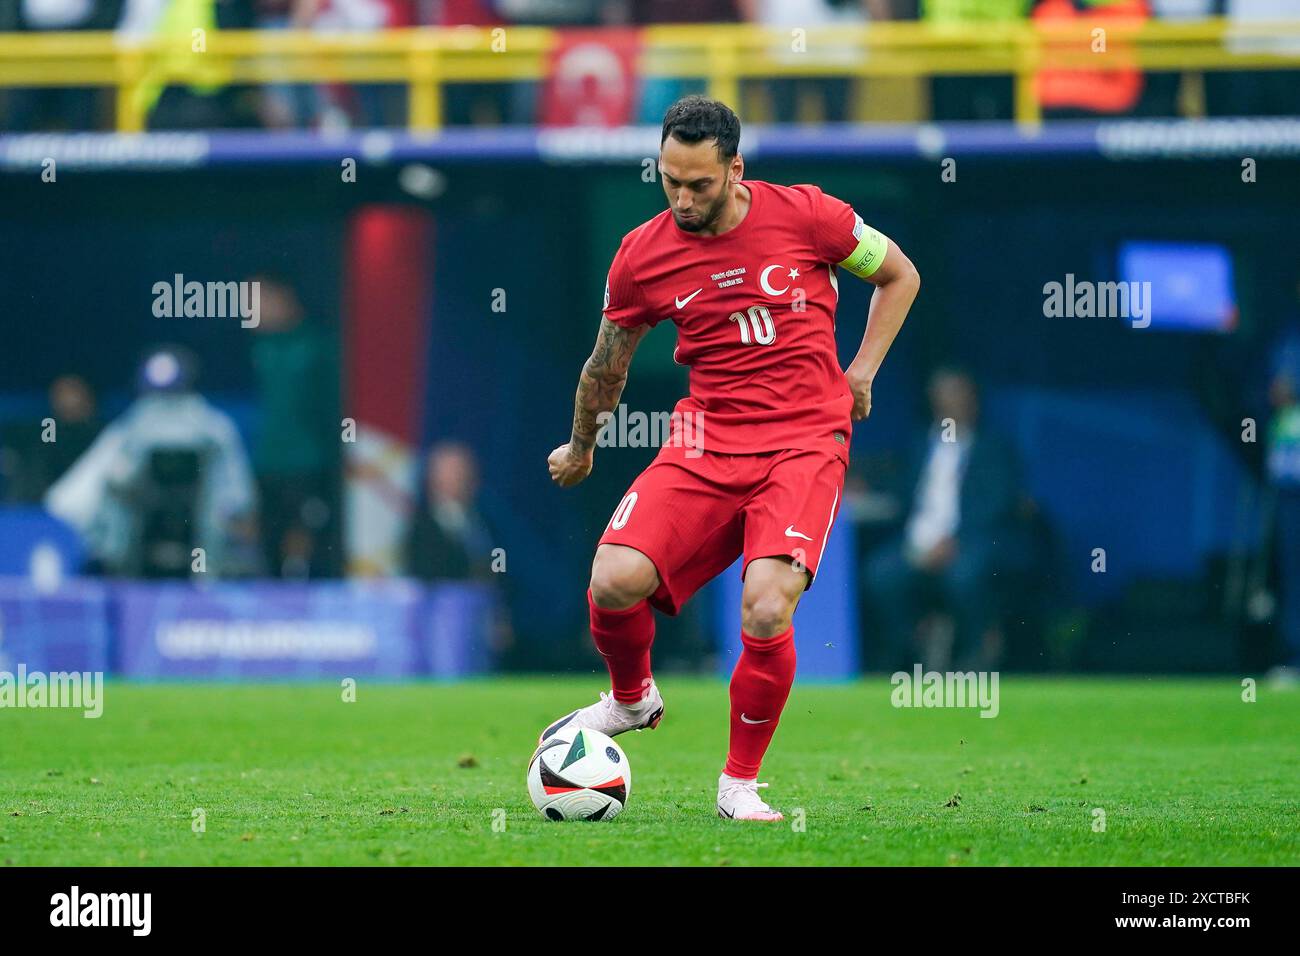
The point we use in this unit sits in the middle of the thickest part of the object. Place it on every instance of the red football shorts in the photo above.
(693, 513)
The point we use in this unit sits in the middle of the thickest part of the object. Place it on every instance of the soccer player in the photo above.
(755, 461)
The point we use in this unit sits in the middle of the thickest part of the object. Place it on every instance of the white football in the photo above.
(579, 775)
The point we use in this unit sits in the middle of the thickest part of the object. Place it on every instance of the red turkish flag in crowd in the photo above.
(592, 79)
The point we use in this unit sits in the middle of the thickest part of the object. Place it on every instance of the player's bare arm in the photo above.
(599, 386)
(897, 282)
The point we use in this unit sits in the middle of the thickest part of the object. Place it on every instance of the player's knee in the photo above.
(620, 577)
(766, 612)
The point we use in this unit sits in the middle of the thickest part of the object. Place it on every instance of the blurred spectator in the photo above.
(31, 463)
(830, 94)
(296, 455)
(57, 107)
(512, 102)
(208, 100)
(1164, 92)
(1284, 475)
(467, 104)
(1071, 94)
(960, 497)
(370, 104)
(73, 403)
(551, 13)
(288, 104)
(1256, 92)
(972, 97)
(76, 419)
(660, 92)
(449, 538)
(894, 9)
(167, 476)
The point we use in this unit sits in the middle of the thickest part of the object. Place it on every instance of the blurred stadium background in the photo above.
(428, 195)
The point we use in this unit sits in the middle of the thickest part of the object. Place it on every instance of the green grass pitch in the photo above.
(1184, 770)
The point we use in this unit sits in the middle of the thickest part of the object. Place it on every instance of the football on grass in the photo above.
(579, 775)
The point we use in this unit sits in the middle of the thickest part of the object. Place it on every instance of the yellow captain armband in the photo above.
(870, 252)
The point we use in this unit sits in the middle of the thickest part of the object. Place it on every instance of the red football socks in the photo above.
(760, 685)
(623, 639)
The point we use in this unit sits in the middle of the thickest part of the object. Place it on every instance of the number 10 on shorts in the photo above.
(622, 512)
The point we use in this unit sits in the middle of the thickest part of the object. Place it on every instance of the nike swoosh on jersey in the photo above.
(748, 721)
(791, 533)
(681, 302)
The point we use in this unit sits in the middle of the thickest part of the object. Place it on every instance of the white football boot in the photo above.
(738, 800)
(612, 718)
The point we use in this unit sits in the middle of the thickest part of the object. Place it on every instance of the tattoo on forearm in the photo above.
(602, 380)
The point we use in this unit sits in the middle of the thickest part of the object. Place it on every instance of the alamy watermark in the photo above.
(946, 689)
(208, 300)
(623, 429)
(77, 690)
(1084, 299)
(130, 910)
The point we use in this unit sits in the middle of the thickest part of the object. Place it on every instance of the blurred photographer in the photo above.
(166, 477)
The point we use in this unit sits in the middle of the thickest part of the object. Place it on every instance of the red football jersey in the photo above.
(755, 316)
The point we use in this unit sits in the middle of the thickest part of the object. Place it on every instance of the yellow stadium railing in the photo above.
(425, 59)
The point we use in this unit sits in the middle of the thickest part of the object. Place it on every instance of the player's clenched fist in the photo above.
(568, 465)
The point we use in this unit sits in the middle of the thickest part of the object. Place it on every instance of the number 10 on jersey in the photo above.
(755, 325)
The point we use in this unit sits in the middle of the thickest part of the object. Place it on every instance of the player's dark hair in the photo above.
(695, 118)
